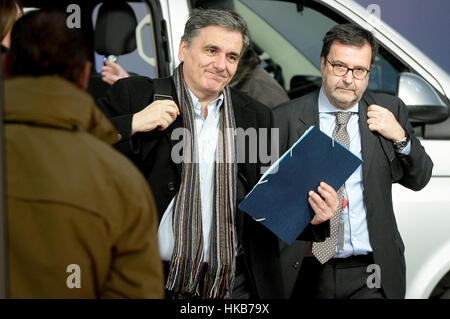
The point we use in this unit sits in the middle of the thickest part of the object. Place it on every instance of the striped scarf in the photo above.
(187, 258)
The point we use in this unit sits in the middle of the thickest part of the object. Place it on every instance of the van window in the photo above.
(132, 62)
(289, 36)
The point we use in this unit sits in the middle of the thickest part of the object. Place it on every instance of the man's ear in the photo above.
(83, 81)
(181, 50)
(322, 64)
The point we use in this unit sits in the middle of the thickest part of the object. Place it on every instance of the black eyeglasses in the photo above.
(341, 70)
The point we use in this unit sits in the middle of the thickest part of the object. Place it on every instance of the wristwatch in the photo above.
(401, 143)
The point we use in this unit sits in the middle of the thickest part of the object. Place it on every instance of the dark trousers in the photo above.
(339, 278)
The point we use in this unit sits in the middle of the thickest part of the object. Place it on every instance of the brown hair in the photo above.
(8, 14)
(349, 34)
(42, 44)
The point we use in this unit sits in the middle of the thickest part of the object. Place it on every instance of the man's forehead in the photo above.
(218, 36)
(351, 53)
(216, 30)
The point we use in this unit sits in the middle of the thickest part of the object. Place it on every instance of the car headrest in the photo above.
(115, 29)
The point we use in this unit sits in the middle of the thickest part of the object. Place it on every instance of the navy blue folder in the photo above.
(280, 199)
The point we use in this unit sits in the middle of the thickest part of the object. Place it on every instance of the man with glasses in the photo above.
(374, 126)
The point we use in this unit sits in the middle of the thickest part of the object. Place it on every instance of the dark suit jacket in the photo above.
(382, 166)
(151, 153)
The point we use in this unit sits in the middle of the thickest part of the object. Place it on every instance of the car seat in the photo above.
(114, 36)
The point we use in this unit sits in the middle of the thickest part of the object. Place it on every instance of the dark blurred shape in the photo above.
(303, 84)
(114, 36)
(255, 81)
(44, 49)
(115, 29)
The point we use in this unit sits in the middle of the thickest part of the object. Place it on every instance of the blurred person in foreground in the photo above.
(81, 218)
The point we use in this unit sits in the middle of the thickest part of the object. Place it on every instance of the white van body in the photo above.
(423, 217)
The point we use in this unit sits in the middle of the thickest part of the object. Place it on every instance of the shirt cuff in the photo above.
(406, 150)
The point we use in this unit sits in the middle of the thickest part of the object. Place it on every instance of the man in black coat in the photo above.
(378, 130)
(210, 249)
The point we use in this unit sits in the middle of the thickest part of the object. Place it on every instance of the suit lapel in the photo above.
(178, 123)
(309, 115)
(368, 139)
(244, 118)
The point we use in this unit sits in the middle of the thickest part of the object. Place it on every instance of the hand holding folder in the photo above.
(280, 199)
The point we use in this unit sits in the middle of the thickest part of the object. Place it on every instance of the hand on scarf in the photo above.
(159, 114)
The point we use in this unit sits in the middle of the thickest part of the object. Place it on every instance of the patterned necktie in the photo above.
(325, 250)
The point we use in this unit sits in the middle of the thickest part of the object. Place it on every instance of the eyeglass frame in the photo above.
(348, 69)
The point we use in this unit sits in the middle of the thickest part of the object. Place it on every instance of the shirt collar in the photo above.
(215, 104)
(326, 107)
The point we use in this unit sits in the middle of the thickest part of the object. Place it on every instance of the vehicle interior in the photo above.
(110, 27)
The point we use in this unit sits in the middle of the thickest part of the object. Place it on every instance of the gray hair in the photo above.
(227, 19)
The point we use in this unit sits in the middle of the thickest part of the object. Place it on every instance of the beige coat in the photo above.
(74, 200)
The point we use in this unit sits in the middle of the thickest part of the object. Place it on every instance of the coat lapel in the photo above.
(309, 115)
(244, 118)
(178, 123)
(368, 139)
